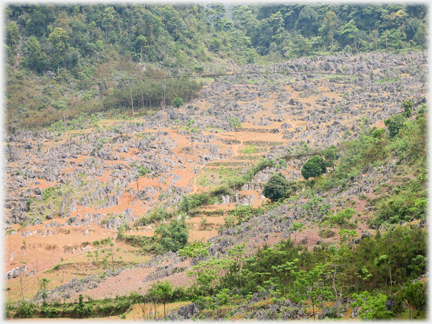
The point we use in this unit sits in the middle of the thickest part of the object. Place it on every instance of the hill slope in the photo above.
(81, 185)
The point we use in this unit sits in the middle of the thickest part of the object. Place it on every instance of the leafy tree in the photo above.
(309, 285)
(349, 33)
(347, 234)
(308, 21)
(172, 237)
(44, 282)
(295, 227)
(59, 38)
(407, 106)
(36, 60)
(208, 274)
(328, 27)
(12, 35)
(277, 187)
(141, 42)
(421, 35)
(341, 218)
(163, 292)
(108, 20)
(37, 23)
(178, 102)
(395, 124)
(314, 167)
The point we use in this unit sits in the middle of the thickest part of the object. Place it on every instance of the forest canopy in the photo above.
(64, 60)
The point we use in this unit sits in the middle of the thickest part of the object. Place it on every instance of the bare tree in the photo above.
(131, 99)
(35, 265)
(145, 309)
(22, 274)
(163, 84)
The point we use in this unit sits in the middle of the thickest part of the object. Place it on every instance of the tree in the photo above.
(141, 41)
(295, 227)
(178, 102)
(142, 171)
(131, 99)
(236, 252)
(328, 26)
(310, 285)
(415, 296)
(308, 21)
(277, 187)
(395, 124)
(172, 237)
(314, 167)
(12, 35)
(36, 60)
(235, 123)
(407, 106)
(44, 282)
(59, 38)
(330, 156)
(162, 291)
(420, 36)
(22, 274)
(349, 32)
(108, 20)
(36, 267)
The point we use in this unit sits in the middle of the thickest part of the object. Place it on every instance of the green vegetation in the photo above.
(157, 214)
(91, 58)
(67, 65)
(373, 148)
(178, 102)
(172, 237)
(314, 167)
(250, 149)
(279, 188)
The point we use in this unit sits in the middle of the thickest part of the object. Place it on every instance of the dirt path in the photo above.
(195, 188)
(235, 149)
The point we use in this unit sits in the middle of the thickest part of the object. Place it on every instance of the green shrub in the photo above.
(172, 237)
(373, 307)
(81, 310)
(415, 295)
(178, 102)
(342, 217)
(250, 149)
(278, 188)
(395, 124)
(158, 214)
(223, 297)
(50, 311)
(25, 309)
(106, 240)
(313, 167)
(326, 233)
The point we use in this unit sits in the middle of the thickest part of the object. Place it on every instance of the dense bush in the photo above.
(278, 188)
(313, 167)
(172, 237)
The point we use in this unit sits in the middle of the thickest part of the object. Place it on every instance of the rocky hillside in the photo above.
(85, 199)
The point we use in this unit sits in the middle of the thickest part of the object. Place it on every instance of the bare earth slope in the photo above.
(66, 189)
